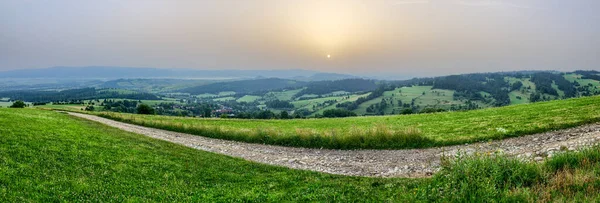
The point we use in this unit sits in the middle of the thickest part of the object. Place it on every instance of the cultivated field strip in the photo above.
(373, 163)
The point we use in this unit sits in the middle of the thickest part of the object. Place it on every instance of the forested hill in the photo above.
(346, 96)
(245, 86)
(535, 86)
(76, 95)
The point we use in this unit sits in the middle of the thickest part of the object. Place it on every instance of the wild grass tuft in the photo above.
(479, 178)
(568, 176)
(585, 158)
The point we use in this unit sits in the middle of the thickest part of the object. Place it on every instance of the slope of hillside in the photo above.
(47, 157)
(388, 132)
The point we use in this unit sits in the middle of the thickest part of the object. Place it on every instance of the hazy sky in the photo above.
(418, 37)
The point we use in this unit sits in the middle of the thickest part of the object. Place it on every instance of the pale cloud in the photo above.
(492, 3)
(405, 36)
(408, 2)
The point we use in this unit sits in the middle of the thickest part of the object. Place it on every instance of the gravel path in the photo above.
(374, 163)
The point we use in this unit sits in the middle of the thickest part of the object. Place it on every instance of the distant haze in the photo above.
(371, 37)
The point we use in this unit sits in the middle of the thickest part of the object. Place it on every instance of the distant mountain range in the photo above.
(110, 72)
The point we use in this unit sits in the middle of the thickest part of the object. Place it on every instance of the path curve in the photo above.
(373, 163)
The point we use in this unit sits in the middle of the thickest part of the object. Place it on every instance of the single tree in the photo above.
(284, 115)
(144, 109)
(89, 108)
(18, 104)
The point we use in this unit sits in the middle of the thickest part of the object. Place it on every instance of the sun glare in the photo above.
(329, 25)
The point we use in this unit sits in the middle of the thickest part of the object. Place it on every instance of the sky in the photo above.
(407, 37)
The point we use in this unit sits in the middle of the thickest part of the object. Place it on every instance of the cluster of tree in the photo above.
(18, 104)
(544, 81)
(586, 90)
(470, 86)
(278, 104)
(348, 85)
(516, 86)
(469, 105)
(537, 96)
(64, 102)
(333, 113)
(266, 114)
(432, 110)
(589, 74)
(124, 106)
(74, 94)
(144, 109)
(188, 109)
(380, 107)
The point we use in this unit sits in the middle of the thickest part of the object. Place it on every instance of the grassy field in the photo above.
(435, 98)
(352, 98)
(5, 104)
(577, 77)
(388, 132)
(286, 95)
(309, 103)
(523, 94)
(206, 95)
(362, 108)
(248, 98)
(518, 97)
(47, 156)
(8, 104)
(224, 99)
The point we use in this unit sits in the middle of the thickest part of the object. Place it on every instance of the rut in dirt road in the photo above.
(373, 163)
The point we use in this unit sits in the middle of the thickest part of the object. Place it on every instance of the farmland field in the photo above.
(388, 132)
